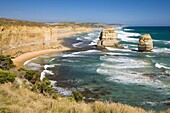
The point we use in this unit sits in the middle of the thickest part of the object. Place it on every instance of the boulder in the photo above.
(108, 39)
(145, 43)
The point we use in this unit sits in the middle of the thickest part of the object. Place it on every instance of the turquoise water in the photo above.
(119, 75)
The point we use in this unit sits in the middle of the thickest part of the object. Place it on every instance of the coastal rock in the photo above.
(108, 39)
(18, 39)
(145, 43)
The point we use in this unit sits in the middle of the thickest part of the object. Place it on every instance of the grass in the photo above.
(5, 21)
(6, 76)
(22, 100)
(14, 22)
(86, 24)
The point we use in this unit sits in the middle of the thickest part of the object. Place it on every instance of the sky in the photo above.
(129, 12)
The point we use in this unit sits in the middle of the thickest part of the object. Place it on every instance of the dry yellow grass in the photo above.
(23, 100)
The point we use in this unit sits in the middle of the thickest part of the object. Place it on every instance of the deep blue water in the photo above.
(119, 75)
(158, 33)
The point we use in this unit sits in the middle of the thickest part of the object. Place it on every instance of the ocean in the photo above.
(120, 75)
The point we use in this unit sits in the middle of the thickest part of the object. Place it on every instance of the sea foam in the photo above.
(129, 29)
(28, 61)
(122, 62)
(87, 38)
(161, 66)
(121, 70)
(127, 77)
(44, 72)
(50, 66)
(117, 49)
(126, 36)
(161, 50)
(85, 52)
(77, 44)
(63, 91)
(79, 39)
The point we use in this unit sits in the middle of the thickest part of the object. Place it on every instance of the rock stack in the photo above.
(145, 43)
(108, 39)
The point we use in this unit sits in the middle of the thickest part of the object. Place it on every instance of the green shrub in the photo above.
(31, 75)
(77, 96)
(43, 87)
(71, 99)
(56, 96)
(34, 88)
(6, 76)
(46, 81)
(6, 63)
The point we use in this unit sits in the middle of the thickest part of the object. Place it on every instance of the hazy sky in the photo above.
(131, 12)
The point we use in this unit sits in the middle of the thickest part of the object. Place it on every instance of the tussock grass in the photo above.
(22, 100)
(6, 21)
(14, 22)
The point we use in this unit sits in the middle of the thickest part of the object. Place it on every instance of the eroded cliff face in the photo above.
(108, 39)
(145, 43)
(16, 40)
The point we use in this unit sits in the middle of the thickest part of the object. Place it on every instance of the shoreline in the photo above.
(20, 60)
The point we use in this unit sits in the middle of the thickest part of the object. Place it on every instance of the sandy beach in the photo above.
(19, 61)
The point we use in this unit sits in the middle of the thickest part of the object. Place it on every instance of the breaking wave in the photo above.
(86, 52)
(117, 49)
(161, 66)
(128, 29)
(161, 50)
(44, 73)
(77, 44)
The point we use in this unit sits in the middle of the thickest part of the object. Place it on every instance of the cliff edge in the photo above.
(18, 37)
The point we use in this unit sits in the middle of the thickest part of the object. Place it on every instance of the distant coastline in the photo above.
(40, 38)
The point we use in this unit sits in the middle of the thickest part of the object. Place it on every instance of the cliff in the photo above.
(18, 37)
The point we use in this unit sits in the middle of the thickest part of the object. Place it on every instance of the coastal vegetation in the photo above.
(12, 22)
(86, 24)
(6, 76)
(6, 62)
(22, 100)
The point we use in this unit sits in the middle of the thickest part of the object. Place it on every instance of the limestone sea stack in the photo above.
(145, 43)
(108, 39)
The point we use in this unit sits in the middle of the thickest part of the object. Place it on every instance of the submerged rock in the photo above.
(145, 43)
(108, 39)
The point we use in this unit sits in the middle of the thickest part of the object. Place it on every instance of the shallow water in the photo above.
(119, 75)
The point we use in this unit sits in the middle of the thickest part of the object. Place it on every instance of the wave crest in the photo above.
(161, 66)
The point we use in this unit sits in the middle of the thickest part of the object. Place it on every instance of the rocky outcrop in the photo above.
(108, 39)
(145, 43)
(18, 39)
